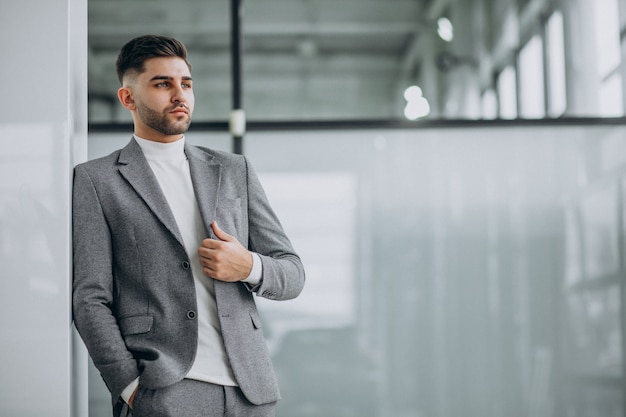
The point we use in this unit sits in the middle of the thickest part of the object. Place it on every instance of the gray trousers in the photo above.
(189, 398)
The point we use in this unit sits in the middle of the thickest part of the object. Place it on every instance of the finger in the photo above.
(208, 272)
(210, 244)
(205, 261)
(219, 233)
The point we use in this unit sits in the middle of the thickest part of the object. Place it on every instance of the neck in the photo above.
(157, 137)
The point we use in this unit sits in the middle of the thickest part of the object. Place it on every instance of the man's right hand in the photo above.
(132, 397)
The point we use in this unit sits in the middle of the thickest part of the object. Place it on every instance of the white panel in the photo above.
(41, 127)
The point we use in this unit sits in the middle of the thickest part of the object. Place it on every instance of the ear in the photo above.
(126, 97)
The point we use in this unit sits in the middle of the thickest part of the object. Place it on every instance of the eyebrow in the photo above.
(168, 78)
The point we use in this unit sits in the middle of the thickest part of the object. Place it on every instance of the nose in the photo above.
(178, 95)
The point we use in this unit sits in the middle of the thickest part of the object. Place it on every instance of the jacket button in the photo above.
(268, 294)
(191, 315)
(186, 264)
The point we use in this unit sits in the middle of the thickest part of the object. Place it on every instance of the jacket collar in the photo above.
(205, 177)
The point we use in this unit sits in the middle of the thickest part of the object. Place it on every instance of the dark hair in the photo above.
(133, 55)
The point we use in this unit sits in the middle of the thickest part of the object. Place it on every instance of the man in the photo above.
(171, 241)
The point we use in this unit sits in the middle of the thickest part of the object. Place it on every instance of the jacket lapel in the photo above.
(135, 168)
(205, 177)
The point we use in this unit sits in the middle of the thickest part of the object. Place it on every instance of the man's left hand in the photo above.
(224, 259)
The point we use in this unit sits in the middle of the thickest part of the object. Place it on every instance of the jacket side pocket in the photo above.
(136, 324)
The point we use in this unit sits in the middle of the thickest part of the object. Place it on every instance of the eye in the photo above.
(162, 84)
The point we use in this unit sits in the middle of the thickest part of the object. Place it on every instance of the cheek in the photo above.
(152, 102)
(191, 101)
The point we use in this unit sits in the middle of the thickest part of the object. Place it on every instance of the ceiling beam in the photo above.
(286, 29)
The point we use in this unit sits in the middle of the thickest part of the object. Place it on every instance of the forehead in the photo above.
(165, 66)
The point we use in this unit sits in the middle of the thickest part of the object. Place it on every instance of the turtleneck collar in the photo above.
(157, 151)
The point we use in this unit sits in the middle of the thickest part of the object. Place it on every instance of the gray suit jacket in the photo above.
(134, 300)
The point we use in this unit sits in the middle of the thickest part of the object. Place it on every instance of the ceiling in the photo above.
(302, 59)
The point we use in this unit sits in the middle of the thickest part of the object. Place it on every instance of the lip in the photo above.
(180, 110)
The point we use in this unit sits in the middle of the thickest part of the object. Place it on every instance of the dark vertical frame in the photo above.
(236, 14)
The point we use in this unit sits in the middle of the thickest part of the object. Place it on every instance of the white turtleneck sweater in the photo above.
(171, 168)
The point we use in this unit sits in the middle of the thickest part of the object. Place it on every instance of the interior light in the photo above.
(416, 104)
(412, 93)
(445, 29)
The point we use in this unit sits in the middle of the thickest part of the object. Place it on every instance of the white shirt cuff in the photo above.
(256, 272)
(128, 391)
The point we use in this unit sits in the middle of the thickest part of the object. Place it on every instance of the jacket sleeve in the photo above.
(283, 273)
(93, 287)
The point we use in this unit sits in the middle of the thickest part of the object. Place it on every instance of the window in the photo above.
(489, 103)
(532, 99)
(557, 98)
(507, 93)
(607, 37)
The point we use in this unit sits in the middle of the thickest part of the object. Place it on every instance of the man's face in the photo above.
(161, 99)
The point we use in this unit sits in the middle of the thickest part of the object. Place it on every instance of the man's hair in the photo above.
(134, 54)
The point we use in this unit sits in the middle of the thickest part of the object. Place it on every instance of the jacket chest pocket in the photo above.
(229, 217)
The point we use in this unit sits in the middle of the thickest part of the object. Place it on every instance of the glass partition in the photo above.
(474, 271)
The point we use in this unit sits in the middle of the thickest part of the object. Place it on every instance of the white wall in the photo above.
(43, 112)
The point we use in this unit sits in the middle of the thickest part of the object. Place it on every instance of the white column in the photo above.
(43, 133)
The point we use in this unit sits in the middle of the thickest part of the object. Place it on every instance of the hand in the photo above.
(224, 259)
(131, 400)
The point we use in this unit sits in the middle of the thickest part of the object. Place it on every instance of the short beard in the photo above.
(159, 122)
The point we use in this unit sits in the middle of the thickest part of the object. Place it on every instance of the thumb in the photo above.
(219, 233)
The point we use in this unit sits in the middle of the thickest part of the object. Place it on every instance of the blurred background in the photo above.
(452, 173)
(354, 59)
